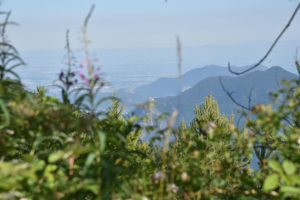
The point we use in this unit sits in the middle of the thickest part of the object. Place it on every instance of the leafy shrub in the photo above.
(57, 150)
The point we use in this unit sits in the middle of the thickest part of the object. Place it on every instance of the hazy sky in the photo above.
(149, 23)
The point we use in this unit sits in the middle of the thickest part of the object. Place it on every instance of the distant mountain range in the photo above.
(164, 87)
(262, 82)
(169, 86)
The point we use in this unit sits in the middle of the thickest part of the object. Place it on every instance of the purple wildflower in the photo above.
(69, 83)
(97, 76)
(85, 81)
(61, 75)
(81, 74)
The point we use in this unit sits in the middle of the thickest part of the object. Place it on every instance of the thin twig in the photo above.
(250, 98)
(297, 62)
(271, 48)
(229, 94)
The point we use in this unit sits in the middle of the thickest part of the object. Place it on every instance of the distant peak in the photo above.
(276, 68)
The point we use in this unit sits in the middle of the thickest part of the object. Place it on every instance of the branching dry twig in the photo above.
(271, 48)
(229, 94)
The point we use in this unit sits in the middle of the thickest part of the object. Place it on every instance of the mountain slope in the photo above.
(164, 87)
(169, 86)
(262, 83)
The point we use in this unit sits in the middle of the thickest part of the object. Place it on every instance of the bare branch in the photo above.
(271, 48)
(229, 94)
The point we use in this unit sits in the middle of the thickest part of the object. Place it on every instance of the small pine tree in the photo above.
(209, 114)
(115, 111)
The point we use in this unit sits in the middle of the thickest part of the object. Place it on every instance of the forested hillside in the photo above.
(257, 84)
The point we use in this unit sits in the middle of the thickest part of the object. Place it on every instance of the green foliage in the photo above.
(57, 150)
(214, 154)
(209, 112)
(277, 131)
(9, 56)
(53, 150)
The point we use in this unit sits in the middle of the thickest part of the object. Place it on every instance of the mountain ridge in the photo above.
(169, 86)
(262, 83)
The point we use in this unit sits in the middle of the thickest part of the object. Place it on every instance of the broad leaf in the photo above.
(271, 182)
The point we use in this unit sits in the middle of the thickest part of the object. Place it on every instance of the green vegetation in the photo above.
(53, 150)
(58, 150)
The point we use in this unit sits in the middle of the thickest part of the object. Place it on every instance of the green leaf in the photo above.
(286, 179)
(295, 179)
(275, 165)
(88, 162)
(50, 168)
(92, 187)
(39, 164)
(48, 172)
(290, 190)
(289, 167)
(55, 156)
(6, 114)
(102, 140)
(271, 182)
